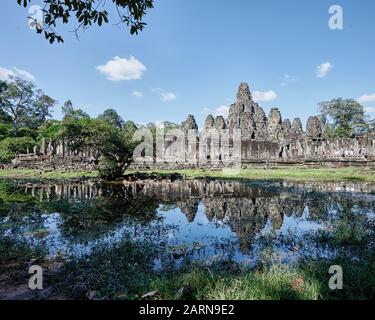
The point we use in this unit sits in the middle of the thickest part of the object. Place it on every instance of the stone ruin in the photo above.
(273, 140)
(265, 140)
(50, 156)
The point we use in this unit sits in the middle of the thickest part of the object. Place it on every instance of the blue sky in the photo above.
(193, 54)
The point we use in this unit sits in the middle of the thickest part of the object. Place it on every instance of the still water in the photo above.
(207, 221)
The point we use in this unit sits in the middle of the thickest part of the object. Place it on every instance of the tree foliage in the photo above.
(43, 107)
(86, 13)
(115, 145)
(12, 145)
(17, 101)
(343, 118)
(112, 117)
(24, 106)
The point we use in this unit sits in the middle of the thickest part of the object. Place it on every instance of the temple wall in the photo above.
(263, 140)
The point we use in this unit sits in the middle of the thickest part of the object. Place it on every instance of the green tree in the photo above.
(17, 101)
(130, 126)
(70, 112)
(112, 117)
(114, 145)
(51, 130)
(4, 117)
(86, 13)
(12, 145)
(343, 118)
(43, 107)
(372, 125)
(77, 132)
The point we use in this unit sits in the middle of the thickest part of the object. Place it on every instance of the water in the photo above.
(208, 221)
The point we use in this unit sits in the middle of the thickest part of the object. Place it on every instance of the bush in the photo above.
(10, 146)
(6, 156)
(110, 170)
(17, 144)
(26, 132)
(51, 130)
(5, 131)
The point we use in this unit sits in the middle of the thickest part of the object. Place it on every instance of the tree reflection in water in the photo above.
(226, 218)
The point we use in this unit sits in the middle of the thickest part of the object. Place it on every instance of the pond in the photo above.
(204, 220)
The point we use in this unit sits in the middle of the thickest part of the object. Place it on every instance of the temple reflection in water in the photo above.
(246, 208)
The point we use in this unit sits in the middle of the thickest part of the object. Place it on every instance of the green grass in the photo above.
(126, 272)
(281, 173)
(273, 283)
(288, 174)
(16, 253)
(53, 175)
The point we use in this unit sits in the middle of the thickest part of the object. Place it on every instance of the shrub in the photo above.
(6, 156)
(10, 146)
(5, 131)
(17, 144)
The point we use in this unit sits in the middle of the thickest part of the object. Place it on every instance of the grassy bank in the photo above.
(126, 272)
(282, 173)
(288, 174)
(38, 174)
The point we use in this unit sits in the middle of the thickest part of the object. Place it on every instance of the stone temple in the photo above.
(276, 140)
(265, 140)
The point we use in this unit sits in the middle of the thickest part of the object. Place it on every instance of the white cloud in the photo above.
(264, 95)
(222, 111)
(164, 95)
(219, 111)
(167, 96)
(366, 98)
(138, 94)
(118, 69)
(370, 109)
(205, 111)
(287, 79)
(5, 74)
(323, 69)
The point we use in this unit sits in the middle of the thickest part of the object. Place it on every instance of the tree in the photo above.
(77, 132)
(70, 113)
(51, 130)
(112, 117)
(114, 145)
(67, 108)
(86, 13)
(343, 118)
(17, 101)
(43, 107)
(372, 125)
(12, 145)
(4, 117)
(130, 126)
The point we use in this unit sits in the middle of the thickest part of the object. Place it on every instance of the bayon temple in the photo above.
(264, 140)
